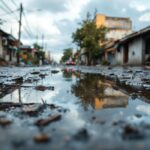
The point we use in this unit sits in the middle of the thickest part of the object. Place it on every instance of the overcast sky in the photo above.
(55, 20)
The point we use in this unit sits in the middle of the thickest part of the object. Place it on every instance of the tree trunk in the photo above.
(89, 58)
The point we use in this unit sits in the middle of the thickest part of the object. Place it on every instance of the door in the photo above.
(126, 54)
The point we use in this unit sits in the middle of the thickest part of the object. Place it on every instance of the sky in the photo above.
(52, 22)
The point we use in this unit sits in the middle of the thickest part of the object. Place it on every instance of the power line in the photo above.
(7, 7)
(27, 24)
(9, 13)
(4, 9)
(14, 3)
(27, 32)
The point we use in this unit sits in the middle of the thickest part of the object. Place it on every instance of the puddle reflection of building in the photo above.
(97, 93)
(112, 98)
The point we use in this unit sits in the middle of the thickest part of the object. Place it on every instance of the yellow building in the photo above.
(118, 27)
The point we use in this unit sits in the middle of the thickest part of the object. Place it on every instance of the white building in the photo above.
(134, 49)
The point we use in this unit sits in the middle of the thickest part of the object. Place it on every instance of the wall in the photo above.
(118, 23)
(117, 34)
(100, 20)
(1, 48)
(136, 52)
(7, 58)
(135, 55)
(118, 27)
(119, 56)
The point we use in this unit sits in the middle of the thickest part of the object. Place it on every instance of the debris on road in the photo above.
(82, 135)
(43, 88)
(54, 71)
(47, 121)
(33, 109)
(5, 122)
(41, 138)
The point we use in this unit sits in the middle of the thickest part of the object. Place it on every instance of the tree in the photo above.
(37, 47)
(40, 54)
(89, 37)
(67, 54)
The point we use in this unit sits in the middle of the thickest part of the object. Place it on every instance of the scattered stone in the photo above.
(47, 121)
(5, 122)
(130, 132)
(93, 118)
(134, 96)
(42, 75)
(54, 71)
(82, 135)
(41, 138)
(129, 71)
(7, 105)
(52, 106)
(35, 72)
(138, 115)
(41, 88)
(32, 110)
(120, 122)
(51, 88)
(18, 80)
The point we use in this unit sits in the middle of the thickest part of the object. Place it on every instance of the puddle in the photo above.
(95, 109)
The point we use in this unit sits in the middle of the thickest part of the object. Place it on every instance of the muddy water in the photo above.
(109, 117)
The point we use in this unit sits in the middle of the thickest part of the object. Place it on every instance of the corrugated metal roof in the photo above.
(135, 34)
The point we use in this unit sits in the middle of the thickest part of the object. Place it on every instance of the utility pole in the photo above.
(19, 34)
(43, 41)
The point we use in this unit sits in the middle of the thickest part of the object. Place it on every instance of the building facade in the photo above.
(8, 47)
(118, 27)
(134, 49)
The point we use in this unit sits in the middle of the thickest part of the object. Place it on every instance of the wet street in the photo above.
(74, 108)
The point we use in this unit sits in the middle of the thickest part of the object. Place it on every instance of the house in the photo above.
(118, 27)
(110, 51)
(134, 49)
(8, 47)
(27, 54)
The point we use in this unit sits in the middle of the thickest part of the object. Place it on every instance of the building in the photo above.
(118, 27)
(110, 51)
(134, 49)
(8, 47)
(27, 54)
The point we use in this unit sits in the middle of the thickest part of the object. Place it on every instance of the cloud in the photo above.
(54, 6)
(140, 5)
(145, 17)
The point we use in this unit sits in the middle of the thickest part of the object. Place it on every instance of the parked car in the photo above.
(70, 63)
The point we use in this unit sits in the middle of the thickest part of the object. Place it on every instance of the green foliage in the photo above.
(37, 47)
(105, 62)
(66, 55)
(40, 54)
(89, 37)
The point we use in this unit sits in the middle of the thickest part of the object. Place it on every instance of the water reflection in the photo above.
(91, 89)
(69, 74)
(95, 92)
